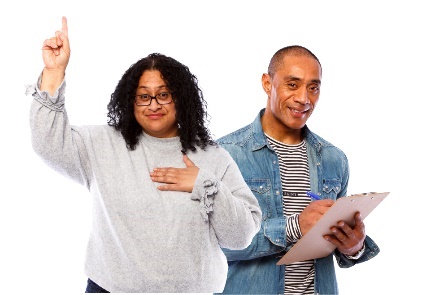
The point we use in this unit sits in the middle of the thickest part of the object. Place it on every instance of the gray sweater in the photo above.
(144, 239)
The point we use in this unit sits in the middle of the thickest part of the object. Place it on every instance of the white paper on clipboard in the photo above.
(313, 245)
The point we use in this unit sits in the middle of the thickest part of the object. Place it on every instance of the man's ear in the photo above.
(266, 83)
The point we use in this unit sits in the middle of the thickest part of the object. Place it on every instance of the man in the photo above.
(281, 159)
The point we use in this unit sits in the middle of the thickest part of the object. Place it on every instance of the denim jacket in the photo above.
(254, 269)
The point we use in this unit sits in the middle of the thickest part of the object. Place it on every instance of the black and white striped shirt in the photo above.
(294, 173)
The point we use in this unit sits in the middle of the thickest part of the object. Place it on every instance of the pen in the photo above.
(313, 196)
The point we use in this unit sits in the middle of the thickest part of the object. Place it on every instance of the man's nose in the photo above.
(302, 95)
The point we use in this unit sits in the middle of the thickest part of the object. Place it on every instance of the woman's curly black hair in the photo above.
(191, 108)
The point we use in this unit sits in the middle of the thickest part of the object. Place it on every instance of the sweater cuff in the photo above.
(55, 102)
(204, 191)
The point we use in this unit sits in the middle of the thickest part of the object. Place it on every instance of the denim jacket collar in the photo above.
(260, 140)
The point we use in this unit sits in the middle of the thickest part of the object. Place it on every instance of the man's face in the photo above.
(293, 92)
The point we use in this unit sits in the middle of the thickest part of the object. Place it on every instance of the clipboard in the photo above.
(313, 245)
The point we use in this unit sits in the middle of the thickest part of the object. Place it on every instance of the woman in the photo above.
(165, 196)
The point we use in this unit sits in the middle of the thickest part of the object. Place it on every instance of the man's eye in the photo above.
(292, 85)
(314, 89)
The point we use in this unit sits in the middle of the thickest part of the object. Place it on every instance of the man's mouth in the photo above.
(299, 111)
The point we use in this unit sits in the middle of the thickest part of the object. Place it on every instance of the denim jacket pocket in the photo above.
(331, 188)
(261, 189)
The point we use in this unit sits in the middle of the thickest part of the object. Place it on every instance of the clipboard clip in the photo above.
(364, 194)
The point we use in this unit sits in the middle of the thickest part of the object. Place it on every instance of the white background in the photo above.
(369, 107)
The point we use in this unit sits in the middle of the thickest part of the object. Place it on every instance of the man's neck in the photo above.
(281, 133)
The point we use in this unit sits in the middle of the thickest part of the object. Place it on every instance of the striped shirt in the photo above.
(294, 173)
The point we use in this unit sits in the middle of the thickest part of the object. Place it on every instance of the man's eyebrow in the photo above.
(294, 78)
(291, 78)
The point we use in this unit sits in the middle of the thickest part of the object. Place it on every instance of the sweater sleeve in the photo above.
(229, 206)
(52, 136)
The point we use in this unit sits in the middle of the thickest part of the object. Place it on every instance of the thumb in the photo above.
(187, 161)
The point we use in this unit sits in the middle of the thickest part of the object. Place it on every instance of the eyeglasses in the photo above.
(146, 99)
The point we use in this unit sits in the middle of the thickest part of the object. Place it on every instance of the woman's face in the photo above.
(158, 120)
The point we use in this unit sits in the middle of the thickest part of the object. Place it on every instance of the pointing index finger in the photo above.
(64, 26)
